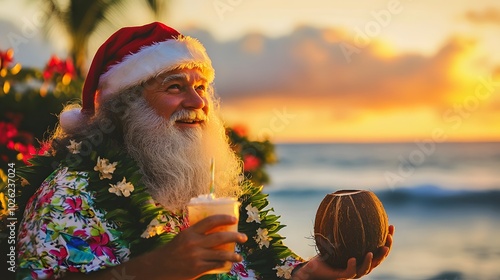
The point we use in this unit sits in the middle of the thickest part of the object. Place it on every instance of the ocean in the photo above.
(443, 199)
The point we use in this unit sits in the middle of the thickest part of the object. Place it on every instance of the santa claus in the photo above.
(113, 190)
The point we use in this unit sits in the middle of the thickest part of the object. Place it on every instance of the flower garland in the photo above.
(266, 252)
(115, 180)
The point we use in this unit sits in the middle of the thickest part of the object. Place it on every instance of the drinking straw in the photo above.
(212, 176)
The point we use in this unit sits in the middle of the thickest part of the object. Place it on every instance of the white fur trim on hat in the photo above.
(149, 61)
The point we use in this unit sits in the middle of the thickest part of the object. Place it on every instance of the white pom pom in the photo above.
(71, 119)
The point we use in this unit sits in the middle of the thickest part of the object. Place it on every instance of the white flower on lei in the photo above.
(24, 182)
(262, 238)
(122, 188)
(105, 168)
(154, 227)
(253, 214)
(114, 189)
(74, 147)
(284, 271)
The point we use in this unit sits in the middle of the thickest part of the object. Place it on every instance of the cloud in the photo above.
(30, 48)
(310, 66)
(489, 15)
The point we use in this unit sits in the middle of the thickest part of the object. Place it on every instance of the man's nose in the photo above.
(193, 100)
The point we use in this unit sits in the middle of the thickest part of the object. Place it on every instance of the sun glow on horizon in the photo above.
(344, 71)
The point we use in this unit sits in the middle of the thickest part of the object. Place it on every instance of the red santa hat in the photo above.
(133, 55)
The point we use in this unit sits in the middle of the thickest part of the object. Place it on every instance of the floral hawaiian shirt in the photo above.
(64, 231)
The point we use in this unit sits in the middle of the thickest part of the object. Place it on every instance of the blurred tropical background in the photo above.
(398, 97)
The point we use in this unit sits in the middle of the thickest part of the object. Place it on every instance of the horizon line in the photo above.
(381, 142)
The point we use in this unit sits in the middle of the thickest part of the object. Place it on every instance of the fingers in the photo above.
(212, 258)
(316, 269)
(214, 255)
(218, 238)
(388, 241)
(205, 228)
(365, 267)
(391, 229)
(217, 259)
(350, 271)
(319, 270)
(199, 248)
(383, 251)
(211, 222)
(210, 232)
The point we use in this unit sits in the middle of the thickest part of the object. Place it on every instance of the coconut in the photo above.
(349, 223)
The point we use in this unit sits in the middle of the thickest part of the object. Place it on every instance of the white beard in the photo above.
(176, 162)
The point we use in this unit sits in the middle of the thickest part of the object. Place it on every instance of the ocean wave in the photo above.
(439, 197)
(425, 195)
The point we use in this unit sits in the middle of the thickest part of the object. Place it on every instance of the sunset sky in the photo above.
(342, 71)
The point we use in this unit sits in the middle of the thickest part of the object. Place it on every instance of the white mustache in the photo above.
(195, 115)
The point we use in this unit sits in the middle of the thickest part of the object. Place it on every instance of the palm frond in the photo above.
(83, 19)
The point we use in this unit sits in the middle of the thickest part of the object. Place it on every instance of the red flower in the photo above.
(19, 141)
(44, 147)
(56, 65)
(26, 150)
(44, 274)
(250, 162)
(240, 269)
(240, 130)
(6, 58)
(7, 132)
(98, 245)
(75, 205)
(46, 198)
(11, 145)
(80, 233)
(60, 255)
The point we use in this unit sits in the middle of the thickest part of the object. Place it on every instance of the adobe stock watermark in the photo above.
(373, 28)
(121, 275)
(222, 7)
(30, 27)
(11, 218)
(454, 117)
(105, 126)
(278, 122)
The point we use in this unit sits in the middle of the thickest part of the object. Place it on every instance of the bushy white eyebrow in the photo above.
(179, 76)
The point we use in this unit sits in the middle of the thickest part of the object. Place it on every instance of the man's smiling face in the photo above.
(177, 92)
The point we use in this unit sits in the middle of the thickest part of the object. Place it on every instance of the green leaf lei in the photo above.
(132, 214)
